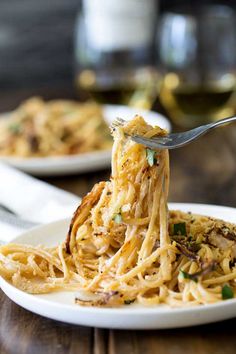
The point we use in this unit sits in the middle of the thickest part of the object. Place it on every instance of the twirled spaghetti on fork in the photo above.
(123, 244)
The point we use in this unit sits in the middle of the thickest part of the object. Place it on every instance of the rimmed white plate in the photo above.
(60, 306)
(92, 161)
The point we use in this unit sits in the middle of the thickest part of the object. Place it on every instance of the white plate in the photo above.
(60, 306)
(92, 161)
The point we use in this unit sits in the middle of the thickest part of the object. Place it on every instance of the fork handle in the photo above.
(222, 122)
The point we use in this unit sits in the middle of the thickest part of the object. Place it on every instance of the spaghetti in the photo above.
(59, 127)
(123, 244)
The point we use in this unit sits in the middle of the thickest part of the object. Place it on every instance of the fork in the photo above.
(176, 140)
(8, 217)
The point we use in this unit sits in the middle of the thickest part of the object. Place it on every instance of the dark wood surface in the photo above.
(202, 172)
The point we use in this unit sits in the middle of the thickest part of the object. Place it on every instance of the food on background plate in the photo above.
(59, 127)
(124, 246)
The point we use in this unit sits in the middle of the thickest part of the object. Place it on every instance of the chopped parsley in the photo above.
(227, 292)
(117, 218)
(151, 157)
(179, 229)
(186, 275)
(14, 128)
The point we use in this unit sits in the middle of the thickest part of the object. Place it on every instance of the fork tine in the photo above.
(151, 143)
(117, 122)
(177, 140)
(120, 120)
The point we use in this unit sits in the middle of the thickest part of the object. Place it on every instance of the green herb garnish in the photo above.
(14, 128)
(180, 229)
(186, 275)
(227, 292)
(150, 154)
(117, 218)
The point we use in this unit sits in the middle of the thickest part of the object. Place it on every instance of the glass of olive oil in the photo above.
(197, 53)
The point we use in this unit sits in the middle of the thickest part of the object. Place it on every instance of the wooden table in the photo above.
(204, 172)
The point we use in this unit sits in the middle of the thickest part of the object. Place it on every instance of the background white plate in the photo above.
(92, 161)
(60, 306)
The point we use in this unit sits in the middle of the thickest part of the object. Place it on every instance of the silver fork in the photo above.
(8, 217)
(176, 140)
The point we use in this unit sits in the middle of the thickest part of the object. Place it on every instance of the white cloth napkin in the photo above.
(32, 200)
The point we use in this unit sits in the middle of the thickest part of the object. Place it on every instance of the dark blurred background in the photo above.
(36, 42)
